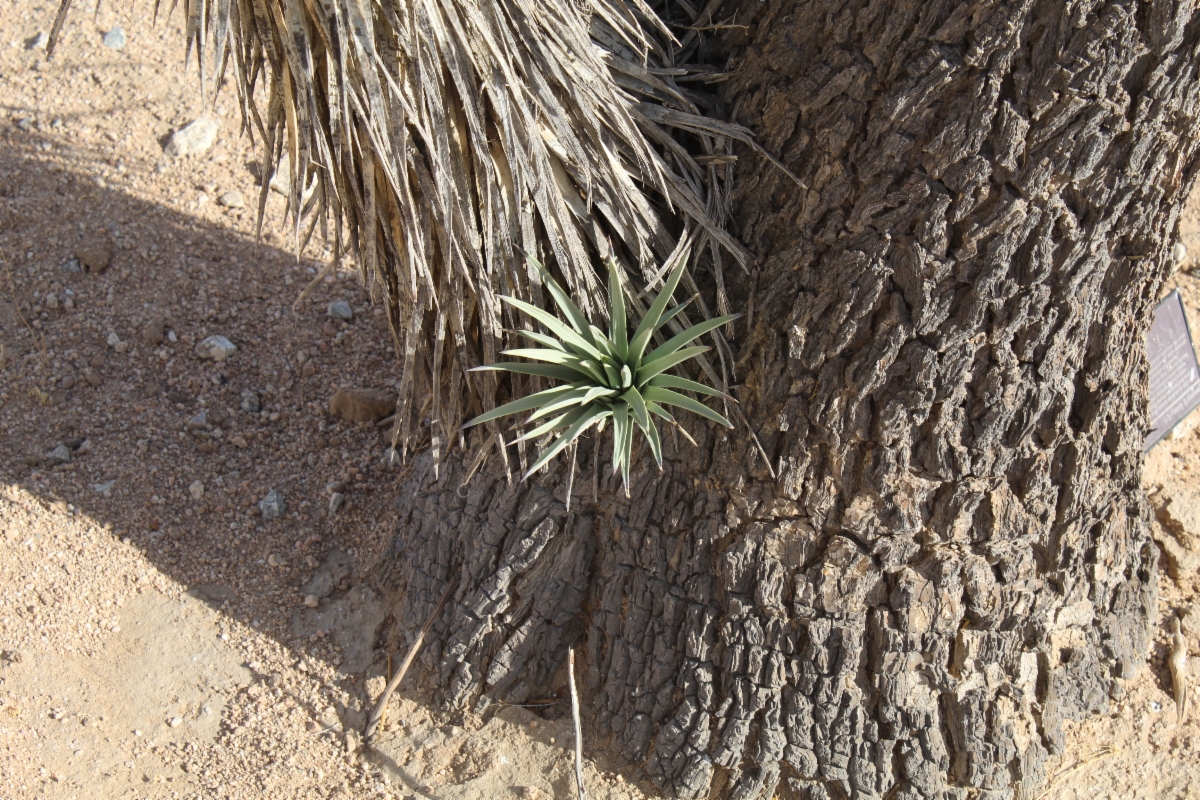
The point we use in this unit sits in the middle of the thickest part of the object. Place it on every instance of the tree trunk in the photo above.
(947, 554)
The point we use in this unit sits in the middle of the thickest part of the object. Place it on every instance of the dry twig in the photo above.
(377, 714)
(1179, 669)
(578, 726)
(1102, 753)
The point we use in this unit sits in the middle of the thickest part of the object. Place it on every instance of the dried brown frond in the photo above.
(444, 136)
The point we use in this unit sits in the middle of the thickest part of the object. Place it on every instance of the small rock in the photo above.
(281, 179)
(391, 458)
(250, 402)
(276, 561)
(85, 447)
(311, 600)
(155, 331)
(175, 722)
(1180, 514)
(92, 377)
(239, 442)
(213, 593)
(362, 405)
(104, 488)
(272, 506)
(196, 490)
(95, 254)
(38, 42)
(50, 301)
(59, 455)
(198, 422)
(232, 200)
(68, 383)
(216, 348)
(1190, 622)
(194, 138)
(1179, 253)
(335, 502)
(340, 309)
(113, 340)
(73, 265)
(333, 572)
(115, 39)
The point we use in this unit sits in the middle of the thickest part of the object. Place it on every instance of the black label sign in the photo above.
(1174, 372)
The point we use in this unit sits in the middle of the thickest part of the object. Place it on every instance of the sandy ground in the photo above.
(155, 639)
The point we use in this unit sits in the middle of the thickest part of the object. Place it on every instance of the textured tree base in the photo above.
(947, 554)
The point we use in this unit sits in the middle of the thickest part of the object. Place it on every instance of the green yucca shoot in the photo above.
(605, 376)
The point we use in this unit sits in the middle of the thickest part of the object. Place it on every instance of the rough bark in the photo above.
(947, 555)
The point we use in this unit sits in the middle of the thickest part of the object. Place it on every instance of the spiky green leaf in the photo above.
(655, 443)
(637, 407)
(587, 369)
(651, 368)
(618, 322)
(561, 421)
(571, 338)
(669, 398)
(563, 300)
(573, 398)
(589, 418)
(522, 404)
(637, 345)
(542, 370)
(668, 381)
(669, 315)
(621, 424)
(676, 342)
(542, 339)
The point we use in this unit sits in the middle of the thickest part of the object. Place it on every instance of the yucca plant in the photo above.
(605, 376)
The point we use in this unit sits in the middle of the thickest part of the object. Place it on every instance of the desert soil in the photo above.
(161, 636)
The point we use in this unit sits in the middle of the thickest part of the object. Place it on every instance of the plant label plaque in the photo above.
(1174, 372)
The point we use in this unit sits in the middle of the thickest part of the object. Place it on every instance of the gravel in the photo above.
(216, 348)
(340, 309)
(195, 138)
(115, 38)
(272, 506)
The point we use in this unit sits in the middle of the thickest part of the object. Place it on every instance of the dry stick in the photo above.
(377, 714)
(1104, 752)
(596, 469)
(578, 727)
(571, 474)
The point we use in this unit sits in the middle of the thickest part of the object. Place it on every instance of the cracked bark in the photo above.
(945, 363)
